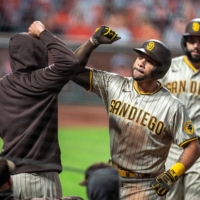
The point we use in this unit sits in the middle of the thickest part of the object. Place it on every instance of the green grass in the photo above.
(80, 147)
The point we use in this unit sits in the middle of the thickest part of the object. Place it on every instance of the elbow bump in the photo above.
(76, 65)
(72, 64)
(75, 62)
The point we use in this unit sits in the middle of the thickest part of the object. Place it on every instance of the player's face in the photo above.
(193, 48)
(143, 67)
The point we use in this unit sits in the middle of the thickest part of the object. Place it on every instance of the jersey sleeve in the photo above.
(103, 83)
(64, 68)
(99, 83)
(181, 127)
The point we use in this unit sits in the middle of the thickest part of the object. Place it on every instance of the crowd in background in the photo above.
(77, 19)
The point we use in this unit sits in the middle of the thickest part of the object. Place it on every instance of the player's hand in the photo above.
(36, 28)
(104, 35)
(162, 183)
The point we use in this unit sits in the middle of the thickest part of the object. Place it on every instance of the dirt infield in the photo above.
(76, 115)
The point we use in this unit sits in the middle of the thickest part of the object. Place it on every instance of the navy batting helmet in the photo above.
(193, 29)
(160, 53)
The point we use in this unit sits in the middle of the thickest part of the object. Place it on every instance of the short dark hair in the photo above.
(6, 167)
(104, 184)
(91, 169)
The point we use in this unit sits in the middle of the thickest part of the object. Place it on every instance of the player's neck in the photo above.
(146, 86)
(195, 65)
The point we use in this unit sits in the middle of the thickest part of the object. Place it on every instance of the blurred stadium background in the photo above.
(83, 121)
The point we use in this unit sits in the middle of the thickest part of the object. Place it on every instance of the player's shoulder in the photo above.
(111, 77)
(178, 59)
(177, 63)
(168, 96)
(110, 74)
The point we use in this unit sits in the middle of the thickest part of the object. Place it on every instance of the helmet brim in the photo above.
(149, 54)
(191, 34)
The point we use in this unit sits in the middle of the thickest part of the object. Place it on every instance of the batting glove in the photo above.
(162, 183)
(104, 35)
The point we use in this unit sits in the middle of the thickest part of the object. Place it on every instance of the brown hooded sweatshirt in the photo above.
(28, 101)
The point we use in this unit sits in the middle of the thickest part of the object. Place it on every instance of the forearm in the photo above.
(64, 60)
(163, 182)
(190, 154)
(83, 53)
(102, 35)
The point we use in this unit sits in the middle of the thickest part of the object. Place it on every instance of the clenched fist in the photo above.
(104, 35)
(36, 28)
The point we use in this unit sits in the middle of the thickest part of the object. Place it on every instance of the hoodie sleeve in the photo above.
(65, 64)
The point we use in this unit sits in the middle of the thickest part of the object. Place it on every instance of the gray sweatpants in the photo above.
(30, 185)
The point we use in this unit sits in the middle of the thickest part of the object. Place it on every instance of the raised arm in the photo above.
(65, 64)
(36, 28)
(102, 35)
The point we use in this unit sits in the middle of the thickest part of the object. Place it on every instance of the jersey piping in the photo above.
(185, 142)
(91, 75)
(147, 93)
(189, 64)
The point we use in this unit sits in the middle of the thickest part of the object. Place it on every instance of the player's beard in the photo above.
(140, 78)
(191, 58)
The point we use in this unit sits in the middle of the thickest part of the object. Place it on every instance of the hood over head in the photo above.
(27, 52)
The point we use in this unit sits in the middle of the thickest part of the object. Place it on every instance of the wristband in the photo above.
(178, 169)
(91, 40)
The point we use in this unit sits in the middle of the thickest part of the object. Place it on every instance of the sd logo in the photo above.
(188, 127)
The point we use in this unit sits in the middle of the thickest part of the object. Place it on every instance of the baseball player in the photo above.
(29, 110)
(183, 80)
(144, 119)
